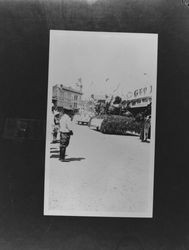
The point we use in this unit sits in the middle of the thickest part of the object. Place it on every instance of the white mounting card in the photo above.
(102, 86)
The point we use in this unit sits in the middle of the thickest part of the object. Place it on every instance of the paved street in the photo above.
(103, 173)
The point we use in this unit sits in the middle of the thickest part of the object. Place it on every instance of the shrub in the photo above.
(121, 125)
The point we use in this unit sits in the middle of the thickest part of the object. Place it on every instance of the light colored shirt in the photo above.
(65, 124)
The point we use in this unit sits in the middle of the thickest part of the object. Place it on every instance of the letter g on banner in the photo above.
(136, 93)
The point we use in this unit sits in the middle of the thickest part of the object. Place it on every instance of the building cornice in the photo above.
(68, 89)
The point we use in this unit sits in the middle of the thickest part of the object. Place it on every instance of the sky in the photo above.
(105, 62)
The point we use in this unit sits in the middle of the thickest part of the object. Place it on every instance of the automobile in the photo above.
(83, 119)
(95, 123)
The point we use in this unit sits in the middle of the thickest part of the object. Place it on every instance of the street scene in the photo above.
(100, 125)
(102, 173)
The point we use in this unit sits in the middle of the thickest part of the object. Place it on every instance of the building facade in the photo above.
(67, 97)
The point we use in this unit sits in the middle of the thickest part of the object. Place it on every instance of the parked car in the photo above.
(83, 119)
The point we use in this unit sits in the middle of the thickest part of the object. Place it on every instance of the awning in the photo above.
(139, 105)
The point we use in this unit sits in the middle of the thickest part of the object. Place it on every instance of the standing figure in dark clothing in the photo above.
(55, 124)
(142, 127)
(65, 132)
(147, 126)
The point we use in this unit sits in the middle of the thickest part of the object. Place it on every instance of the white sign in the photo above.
(139, 93)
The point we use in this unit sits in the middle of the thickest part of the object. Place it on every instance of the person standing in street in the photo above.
(147, 125)
(52, 124)
(65, 132)
(55, 124)
(142, 120)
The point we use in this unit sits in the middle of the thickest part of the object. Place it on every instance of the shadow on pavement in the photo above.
(55, 142)
(68, 159)
(74, 159)
(54, 151)
(126, 135)
(146, 141)
(54, 156)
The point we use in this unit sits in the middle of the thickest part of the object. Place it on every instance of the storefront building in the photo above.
(139, 99)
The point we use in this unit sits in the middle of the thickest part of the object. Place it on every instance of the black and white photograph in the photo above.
(93, 125)
(100, 127)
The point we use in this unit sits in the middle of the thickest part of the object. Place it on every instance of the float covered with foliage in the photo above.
(116, 124)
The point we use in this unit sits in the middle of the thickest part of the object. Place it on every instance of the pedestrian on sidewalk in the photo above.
(65, 132)
(55, 124)
(52, 124)
(142, 120)
(147, 125)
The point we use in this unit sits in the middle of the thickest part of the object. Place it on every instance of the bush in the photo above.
(121, 125)
(101, 116)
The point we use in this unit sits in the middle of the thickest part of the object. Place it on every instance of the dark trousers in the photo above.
(142, 133)
(64, 142)
(54, 136)
(55, 133)
(62, 153)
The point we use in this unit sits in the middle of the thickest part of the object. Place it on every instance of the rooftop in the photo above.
(61, 86)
